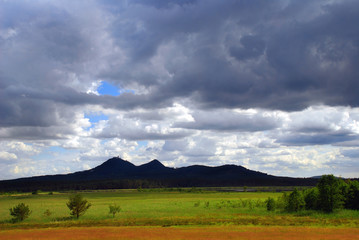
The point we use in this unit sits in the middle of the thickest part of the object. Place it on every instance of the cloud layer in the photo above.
(271, 85)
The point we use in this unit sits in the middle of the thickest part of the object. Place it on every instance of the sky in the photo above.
(269, 85)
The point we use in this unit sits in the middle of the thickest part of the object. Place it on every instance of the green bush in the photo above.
(35, 192)
(270, 204)
(47, 213)
(20, 212)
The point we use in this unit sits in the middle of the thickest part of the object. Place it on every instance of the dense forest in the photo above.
(26, 185)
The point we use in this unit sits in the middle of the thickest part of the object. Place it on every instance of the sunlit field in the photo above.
(206, 214)
(157, 208)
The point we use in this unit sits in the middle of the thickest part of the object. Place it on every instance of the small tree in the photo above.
(114, 209)
(77, 205)
(20, 212)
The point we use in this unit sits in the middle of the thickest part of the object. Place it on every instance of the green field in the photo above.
(165, 208)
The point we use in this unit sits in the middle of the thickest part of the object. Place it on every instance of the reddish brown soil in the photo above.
(174, 233)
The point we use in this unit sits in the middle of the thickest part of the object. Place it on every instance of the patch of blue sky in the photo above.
(141, 144)
(107, 88)
(96, 117)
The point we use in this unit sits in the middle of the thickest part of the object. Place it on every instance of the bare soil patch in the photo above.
(174, 233)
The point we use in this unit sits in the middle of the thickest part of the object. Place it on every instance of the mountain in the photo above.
(119, 173)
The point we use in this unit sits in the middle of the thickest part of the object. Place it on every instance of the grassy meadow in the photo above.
(165, 208)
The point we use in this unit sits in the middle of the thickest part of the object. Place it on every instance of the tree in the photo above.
(330, 196)
(77, 205)
(294, 201)
(20, 212)
(352, 197)
(114, 209)
(311, 199)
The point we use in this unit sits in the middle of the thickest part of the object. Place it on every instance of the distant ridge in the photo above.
(119, 173)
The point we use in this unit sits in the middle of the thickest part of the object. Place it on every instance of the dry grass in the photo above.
(174, 233)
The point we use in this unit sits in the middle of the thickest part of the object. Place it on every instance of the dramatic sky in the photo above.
(269, 85)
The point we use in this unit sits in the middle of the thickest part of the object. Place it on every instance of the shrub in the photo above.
(47, 213)
(114, 209)
(77, 205)
(35, 192)
(20, 212)
(270, 204)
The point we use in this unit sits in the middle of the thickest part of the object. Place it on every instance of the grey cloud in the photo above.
(320, 125)
(251, 47)
(36, 133)
(148, 115)
(301, 139)
(127, 129)
(164, 3)
(351, 153)
(224, 120)
(317, 57)
(175, 145)
(197, 149)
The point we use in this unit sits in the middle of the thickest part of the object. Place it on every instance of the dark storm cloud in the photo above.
(251, 47)
(284, 56)
(45, 46)
(315, 59)
(216, 54)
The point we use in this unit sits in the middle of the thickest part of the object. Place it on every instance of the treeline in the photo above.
(330, 193)
(33, 184)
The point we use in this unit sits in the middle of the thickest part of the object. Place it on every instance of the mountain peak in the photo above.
(115, 159)
(153, 164)
(114, 164)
